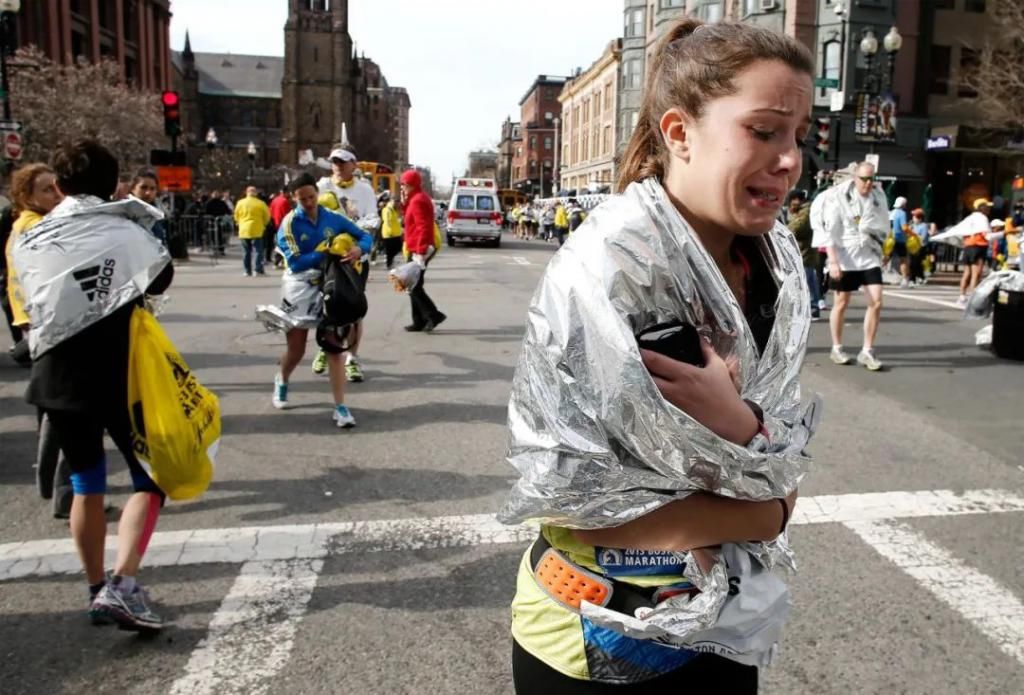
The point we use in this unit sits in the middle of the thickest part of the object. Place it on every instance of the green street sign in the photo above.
(826, 82)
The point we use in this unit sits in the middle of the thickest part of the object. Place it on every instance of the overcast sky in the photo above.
(466, 63)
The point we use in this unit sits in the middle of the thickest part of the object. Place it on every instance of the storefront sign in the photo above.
(874, 117)
(938, 142)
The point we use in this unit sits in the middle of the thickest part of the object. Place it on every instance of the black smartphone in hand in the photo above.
(677, 340)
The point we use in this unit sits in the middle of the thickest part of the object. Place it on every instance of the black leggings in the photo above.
(706, 673)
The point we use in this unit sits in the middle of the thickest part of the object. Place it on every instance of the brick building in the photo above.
(507, 146)
(588, 129)
(533, 164)
(135, 33)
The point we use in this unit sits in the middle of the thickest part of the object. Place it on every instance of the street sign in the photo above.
(174, 179)
(838, 101)
(873, 159)
(939, 142)
(10, 125)
(12, 145)
(826, 82)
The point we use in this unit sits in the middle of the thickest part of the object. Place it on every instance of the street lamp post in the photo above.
(8, 13)
(251, 150)
(556, 176)
(211, 138)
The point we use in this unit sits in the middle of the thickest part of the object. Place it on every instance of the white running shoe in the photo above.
(868, 359)
(838, 355)
(822, 306)
(343, 417)
(961, 303)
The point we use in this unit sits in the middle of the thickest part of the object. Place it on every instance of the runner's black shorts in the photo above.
(899, 249)
(853, 280)
(974, 254)
(79, 434)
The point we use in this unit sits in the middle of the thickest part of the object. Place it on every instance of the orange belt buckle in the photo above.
(570, 584)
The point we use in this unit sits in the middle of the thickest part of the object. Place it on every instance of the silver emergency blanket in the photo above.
(981, 302)
(301, 302)
(86, 259)
(593, 439)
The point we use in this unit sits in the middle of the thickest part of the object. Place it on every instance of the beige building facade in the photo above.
(589, 110)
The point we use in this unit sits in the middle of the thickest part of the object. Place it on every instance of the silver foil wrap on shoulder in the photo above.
(595, 443)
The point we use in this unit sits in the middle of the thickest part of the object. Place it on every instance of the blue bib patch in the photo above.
(627, 562)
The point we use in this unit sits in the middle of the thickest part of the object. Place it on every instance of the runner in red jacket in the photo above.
(419, 238)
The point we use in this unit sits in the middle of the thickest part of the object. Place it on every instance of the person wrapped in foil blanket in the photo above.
(595, 442)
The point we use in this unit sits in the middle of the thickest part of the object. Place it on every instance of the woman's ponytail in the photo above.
(645, 153)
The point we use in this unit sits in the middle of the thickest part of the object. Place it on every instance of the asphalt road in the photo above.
(342, 600)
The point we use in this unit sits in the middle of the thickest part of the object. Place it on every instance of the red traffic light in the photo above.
(169, 99)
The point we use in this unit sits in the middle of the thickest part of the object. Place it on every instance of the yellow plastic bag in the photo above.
(437, 244)
(888, 246)
(175, 420)
(913, 243)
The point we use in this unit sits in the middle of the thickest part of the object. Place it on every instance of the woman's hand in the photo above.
(834, 271)
(353, 255)
(708, 395)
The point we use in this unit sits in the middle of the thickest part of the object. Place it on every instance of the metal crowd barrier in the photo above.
(201, 233)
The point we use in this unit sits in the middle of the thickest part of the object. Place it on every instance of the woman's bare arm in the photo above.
(698, 521)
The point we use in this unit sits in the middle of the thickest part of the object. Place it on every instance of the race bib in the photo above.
(627, 562)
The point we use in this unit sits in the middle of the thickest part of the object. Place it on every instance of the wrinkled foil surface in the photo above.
(595, 443)
(85, 260)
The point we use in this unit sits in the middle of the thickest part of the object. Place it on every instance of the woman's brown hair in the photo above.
(693, 64)
(23, 183)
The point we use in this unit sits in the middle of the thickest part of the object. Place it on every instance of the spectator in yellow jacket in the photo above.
(252, 216)
(391, 231)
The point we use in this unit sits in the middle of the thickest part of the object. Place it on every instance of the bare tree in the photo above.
(59, 103)
(222, 168)
(997, 76)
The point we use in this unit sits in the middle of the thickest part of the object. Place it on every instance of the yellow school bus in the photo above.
(380, 176)
(510, 197)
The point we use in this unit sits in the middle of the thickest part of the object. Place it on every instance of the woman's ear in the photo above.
(674, 126)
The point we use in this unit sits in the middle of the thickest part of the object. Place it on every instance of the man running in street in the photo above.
(344, 185)
(302, 232)
(857, 220)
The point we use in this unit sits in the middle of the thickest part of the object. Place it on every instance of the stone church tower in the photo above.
(320, 77)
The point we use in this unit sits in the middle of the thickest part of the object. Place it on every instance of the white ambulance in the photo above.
(474, 213)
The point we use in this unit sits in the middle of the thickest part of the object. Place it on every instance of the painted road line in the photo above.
(306, 541)
(985, 603)
(251, 635)
(926, 300)
(520, 260)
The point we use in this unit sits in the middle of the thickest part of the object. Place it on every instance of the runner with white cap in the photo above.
(355, 193)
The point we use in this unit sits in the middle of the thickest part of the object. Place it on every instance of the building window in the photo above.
(672, 3)
(631, 74)
(586, 145)
(941, 61)
(606, 143)
(635, 23)
(548, 116)
(547, 142)
(969, 60)
(533, 142)
(710, 12)
(749, 7)
(597, 103)
(945, 4)
(974, 6)
(607, 96)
